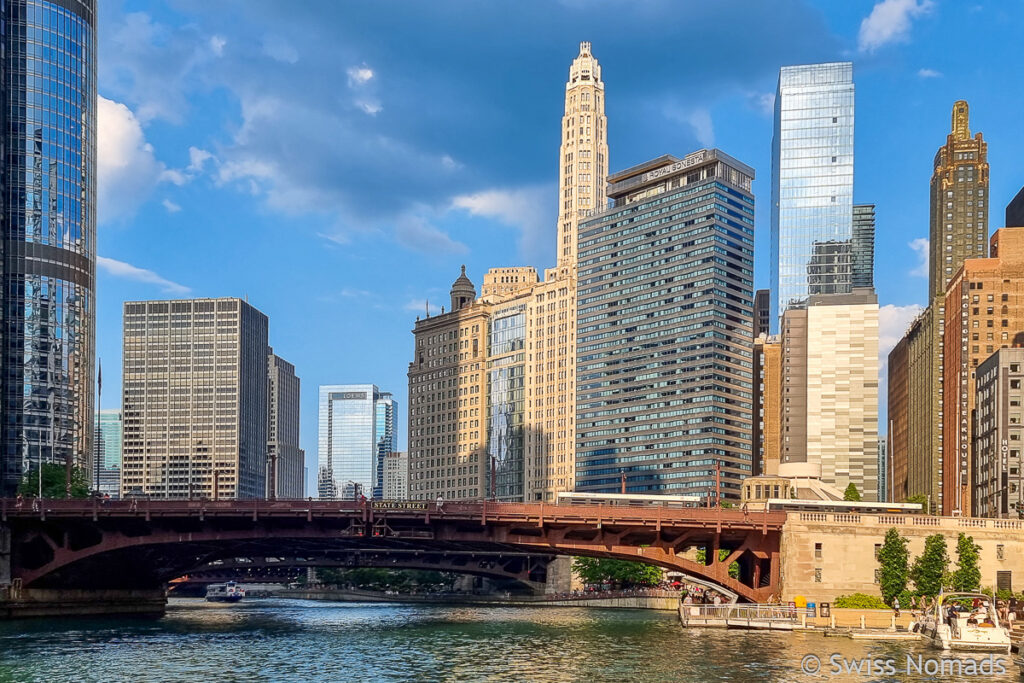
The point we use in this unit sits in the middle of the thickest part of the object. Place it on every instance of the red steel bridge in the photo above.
(143, 544)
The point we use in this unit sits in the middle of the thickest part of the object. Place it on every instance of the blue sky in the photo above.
(336, 162)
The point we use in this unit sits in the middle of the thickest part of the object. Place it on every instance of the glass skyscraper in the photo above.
(107, 449)
(357, 421)
(812, 184)
(664, 324)
(47, 268)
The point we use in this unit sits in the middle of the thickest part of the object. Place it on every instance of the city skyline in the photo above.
(468, 219)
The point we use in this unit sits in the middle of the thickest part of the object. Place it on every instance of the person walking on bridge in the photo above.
(440, 502)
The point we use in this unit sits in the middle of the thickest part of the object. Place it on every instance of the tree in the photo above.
(967, 576)
(930, 566)
(54, 482)
(921, 500)
(893, 559)
(622, 572)
(734, 568)
(851, 493)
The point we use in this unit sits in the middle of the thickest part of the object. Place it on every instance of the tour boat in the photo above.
(971, 628)
(224, 592)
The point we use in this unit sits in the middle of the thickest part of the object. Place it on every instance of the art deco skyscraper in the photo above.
(48, 191)
(959, 193)
(812, 183)
(583, 157)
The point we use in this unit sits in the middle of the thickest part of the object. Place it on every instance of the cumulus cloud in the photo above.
(698, 120)
(279, 49)
(171, 206)
(530, 210)
(893, 322)
(415, 233)
(359, 75)
(890, 22)
(920, 247)
(929, 73)
(129, 272)
(370, 106)
(197, 158)
(217, 44)
(127, 168)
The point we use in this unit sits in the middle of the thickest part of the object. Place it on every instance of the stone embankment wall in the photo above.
(37, 602)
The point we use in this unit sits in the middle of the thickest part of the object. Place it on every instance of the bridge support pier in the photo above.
(43, 602)
(5, 557)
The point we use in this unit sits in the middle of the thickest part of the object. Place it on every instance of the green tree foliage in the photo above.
(621, 572)
(859, 601)
(851, 493)
(54, 482)
(734, 568)
(893, 560)
(967, 576)
(931, 566)
(921, 500)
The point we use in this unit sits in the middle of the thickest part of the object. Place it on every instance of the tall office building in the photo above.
(762, 312)
(287, 466)
(1015, 211)
(385, 421)
(664, 329)
(984, 313)
(830, 390)
(958, 228)
(194, 399)
(107, 452)
(996, 449)
(862, 251)
(350, 432)
(48, 252)
(583, 156)
(767, 415)
(448, 422)
(898, 386)
(396, 476)
(812, 184)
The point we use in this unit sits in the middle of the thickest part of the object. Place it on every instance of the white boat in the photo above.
(224, 592)
(966, 627)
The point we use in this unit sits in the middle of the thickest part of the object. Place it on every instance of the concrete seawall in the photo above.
(620, 602)
(75, 603)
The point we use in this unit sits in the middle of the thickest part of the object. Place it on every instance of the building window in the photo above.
(878, 576)
(999, 551)
(817, 551)
(817, 575)
(878, 549)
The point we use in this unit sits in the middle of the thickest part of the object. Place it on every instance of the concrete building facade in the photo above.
(984, 312)
(194, 399)
(664, 323)
(998, 430)
(898, 386)
(287, 462)
(767, 416)
(396, 476)
(830, 389)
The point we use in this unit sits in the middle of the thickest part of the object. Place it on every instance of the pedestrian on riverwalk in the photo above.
(896, 606)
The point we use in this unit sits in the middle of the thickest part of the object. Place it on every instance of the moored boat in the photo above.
(964, 621)
(224, 592)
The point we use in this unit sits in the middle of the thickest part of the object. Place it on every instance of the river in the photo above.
(294, 640)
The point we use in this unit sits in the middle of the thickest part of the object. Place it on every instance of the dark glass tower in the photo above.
(48, 186)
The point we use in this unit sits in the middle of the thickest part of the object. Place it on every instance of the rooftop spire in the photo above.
(961, 126)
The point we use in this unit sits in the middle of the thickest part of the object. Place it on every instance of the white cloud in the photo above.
(127, 169)
(765, 103)
(335, 238)
(370, 106)
(929, 73)
(920, 246)
(890, 22)
(197, 158)
(130, 272)
(173, 175)
(420, 306)
(217, 44)
(279, 49)
(359, 75)
(699, 121)
(893, 322)
(171, 206)
(414, 232)
(449, 162)
(529, 209)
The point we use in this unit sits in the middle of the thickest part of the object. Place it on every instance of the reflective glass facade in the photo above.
(48, 189)
(506, 394)
(664, 330)
(384, 433)
(107, 449)
(354, 419)
(812, 184)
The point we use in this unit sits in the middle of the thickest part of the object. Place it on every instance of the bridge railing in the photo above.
(735, 613)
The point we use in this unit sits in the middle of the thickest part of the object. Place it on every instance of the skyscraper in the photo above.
(664, 329)
(385, 420)
(583, 157)
(959, 192)
(48, 190)
(762, 312)
(350, 431)
(107, 449)
(812, 183)
(286, 469)
(996, 451)
(862, 251)
(194, 399)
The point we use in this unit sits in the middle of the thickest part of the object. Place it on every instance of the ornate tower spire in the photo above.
(583, 157)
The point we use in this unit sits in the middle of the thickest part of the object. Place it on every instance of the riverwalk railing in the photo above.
(738, 615)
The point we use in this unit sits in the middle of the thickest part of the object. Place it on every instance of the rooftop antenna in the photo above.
(427, 306)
